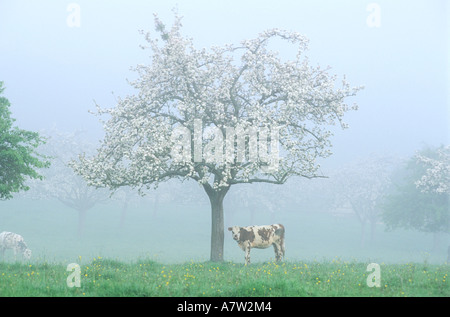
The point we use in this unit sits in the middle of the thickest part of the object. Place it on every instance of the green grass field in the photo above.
(105, 277)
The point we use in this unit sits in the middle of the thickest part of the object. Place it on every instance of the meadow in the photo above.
(105, 277)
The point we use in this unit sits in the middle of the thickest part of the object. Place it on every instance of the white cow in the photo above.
(259, 237)
(14, 241)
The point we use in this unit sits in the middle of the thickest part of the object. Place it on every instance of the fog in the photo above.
(56, 69)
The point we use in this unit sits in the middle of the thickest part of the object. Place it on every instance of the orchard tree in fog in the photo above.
(419, 197)
(19, 160)
(362, 185)
(61, 183)
(204, 113)
(436, 178)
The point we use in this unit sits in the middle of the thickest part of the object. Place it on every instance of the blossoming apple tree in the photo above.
(437, 175)
(194, 108)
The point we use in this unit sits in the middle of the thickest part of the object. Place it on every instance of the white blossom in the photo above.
(437, 176)
(226, 86)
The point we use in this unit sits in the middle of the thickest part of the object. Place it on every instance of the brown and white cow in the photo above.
(259, 237)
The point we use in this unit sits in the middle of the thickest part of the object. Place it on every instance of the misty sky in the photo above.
(54, 72)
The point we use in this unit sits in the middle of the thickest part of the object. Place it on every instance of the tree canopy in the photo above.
(19, 159)
(418, 198)
(61, 183)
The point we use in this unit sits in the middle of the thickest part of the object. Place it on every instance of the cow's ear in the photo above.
(229, 228)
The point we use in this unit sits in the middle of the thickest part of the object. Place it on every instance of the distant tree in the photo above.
(212, 97)
(127, 197)
(362, 185)
(19, 159)
(436, 178)
(61, 183)
(419, 197)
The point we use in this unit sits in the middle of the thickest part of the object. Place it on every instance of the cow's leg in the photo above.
(247, 255)
(276, 248)
(282, 247)
(279, 251)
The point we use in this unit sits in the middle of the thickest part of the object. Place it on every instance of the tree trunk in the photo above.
(363, 235)
(217, 222)
(81, 222)
(217, 230)
(436, 241)
(373, 225)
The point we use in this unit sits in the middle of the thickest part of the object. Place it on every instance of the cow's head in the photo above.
(27, 253)
(235, 232)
